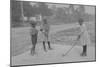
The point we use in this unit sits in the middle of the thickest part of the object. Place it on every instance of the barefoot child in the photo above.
(45, 28)
(83, 37)
(34, 33)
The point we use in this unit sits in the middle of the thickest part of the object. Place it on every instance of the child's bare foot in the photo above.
(83, 54)
(33, 53)
(45, 50)
(50, 48)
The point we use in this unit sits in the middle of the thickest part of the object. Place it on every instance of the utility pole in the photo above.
(22, 11)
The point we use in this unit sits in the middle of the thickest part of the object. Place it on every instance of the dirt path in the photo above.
(53, 56)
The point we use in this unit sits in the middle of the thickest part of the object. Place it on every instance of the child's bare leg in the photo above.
(49, 46)
(84, 53)
(44, 46)
(34, 41)
(33, 50)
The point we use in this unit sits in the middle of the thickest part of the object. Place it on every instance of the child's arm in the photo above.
(79, 35)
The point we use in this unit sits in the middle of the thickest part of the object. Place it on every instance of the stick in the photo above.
(72, 46)
(69, 50)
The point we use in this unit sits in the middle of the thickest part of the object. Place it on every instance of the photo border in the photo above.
(52, 63)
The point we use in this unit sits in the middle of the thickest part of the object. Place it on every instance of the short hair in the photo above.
(33, 24)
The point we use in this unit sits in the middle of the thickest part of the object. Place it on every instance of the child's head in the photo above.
(80, 21)
(33, 24)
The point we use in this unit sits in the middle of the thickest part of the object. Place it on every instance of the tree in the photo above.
(15, 13)
(71, 9)
(15, 10)
(81, 9)
(28, 10)
(80, 12)
(60, 13)
(34, 10)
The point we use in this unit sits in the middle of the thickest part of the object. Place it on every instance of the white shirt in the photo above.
(85, 37)
(45, 31)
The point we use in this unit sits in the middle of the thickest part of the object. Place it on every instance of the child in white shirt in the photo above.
(83, 36)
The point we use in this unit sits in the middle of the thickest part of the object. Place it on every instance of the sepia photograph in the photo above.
(44, 33)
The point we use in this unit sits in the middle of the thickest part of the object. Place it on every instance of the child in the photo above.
(34, 34)
(45, 30)
(83, 37)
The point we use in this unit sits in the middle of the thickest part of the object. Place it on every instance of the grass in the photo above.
(21, 41)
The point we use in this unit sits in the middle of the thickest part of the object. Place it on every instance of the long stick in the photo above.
(69, 50)
(79, 36)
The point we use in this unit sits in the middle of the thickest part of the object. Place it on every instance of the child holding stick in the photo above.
(83, 36)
